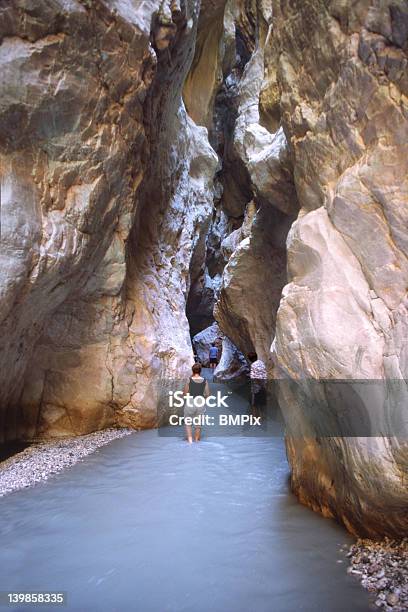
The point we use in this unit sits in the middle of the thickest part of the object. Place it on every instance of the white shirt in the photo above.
(258, 370)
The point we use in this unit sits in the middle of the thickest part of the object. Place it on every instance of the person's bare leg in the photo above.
(197, 434)
(189, 434)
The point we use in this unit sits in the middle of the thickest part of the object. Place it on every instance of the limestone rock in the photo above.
(201, 300)
(95, 255)
(205, 76)
(251, 287)
(205, 285)
(203, 341)
(324, 324)
(264, 154)
(255, 274)
(342, 74)
(232, 366)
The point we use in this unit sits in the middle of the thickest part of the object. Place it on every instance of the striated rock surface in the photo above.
(252, 282)
(205, 76)
(258, 161)
(343, 315)
(232, 366)
(206, 283)
(106, 191)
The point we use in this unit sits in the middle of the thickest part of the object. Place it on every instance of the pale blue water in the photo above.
(151, 524)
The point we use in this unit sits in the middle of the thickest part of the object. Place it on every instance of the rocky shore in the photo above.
(39, 461)
(382, 568)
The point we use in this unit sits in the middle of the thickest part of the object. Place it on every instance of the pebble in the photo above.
(392, 599)
(382, 584)
(382, 568)
(39, 461)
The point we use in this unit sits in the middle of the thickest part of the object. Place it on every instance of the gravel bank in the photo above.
(382, 568)
(39, 461)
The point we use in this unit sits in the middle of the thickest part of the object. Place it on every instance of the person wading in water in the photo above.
(197, 387)
(213, 356)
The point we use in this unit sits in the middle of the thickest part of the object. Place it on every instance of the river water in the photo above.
(152, 524)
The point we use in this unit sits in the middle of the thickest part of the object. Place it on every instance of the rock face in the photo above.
(206, 282)
(96, 241)
(232, 366)
(252, 282)
(203, 341)
(258, 160)
(344, 314)
(320, 125)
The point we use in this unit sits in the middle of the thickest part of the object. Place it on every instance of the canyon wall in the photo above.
(244, 269)
(342, 73)
(106, 194)
(322, 102)
(318, 144)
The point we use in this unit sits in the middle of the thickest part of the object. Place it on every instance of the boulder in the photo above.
(203, 341)
(232, 366)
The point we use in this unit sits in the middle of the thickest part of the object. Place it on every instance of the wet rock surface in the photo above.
(40, 461)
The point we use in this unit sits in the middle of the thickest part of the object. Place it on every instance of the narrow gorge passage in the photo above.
(148, 523)
(186, 176)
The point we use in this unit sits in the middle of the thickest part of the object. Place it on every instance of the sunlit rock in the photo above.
(342, 74)
(106, 194)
